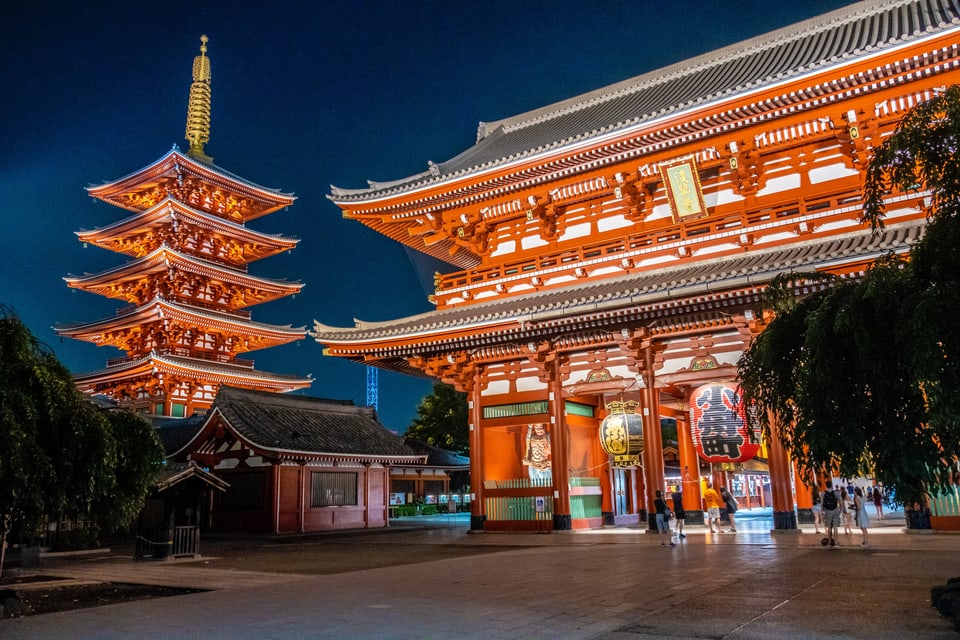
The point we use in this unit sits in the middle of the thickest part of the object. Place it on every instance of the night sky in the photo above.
(330, 92)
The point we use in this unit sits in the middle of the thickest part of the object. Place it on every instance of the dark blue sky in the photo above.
(305, 95)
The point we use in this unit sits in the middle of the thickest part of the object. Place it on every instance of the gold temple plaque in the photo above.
(683, 190)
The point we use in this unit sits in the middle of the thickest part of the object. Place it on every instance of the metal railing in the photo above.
(167, 543)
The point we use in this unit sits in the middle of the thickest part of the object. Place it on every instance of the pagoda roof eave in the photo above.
(164, 257)
(205, 370)
(173, 159)
(734, 73)
(162, 211)
(159, 308)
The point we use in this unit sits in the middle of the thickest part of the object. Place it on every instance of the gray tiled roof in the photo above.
(175, 433)
(755, 268)
(815, 44)
(437, 457)
(289, 423)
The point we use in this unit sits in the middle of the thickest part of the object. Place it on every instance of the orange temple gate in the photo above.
(614, 247)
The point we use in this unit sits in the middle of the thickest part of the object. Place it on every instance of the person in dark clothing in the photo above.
(663, 518)
(731, 504)
(678, 512)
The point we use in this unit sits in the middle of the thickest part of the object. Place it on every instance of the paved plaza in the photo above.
(613, 584)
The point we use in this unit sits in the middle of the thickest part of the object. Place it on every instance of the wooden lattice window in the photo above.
(333, 489)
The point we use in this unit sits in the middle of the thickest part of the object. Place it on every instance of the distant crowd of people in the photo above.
(843, 505)
(846, 506)
(714, 501)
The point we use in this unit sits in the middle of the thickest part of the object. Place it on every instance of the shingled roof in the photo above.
(437, 457)
(175, 433)
(816, 44)
(286, 424)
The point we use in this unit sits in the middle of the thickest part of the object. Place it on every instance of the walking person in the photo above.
(731, 504)
(712, 499)
(817, 511)
(846, 511)
(860, 509)
(830, 501)
(678, 513)
(663, 518)
(878, 501)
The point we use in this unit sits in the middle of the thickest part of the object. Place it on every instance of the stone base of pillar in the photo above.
(693, 517)
(562, 522)
(476, 522)
(805, 516)
(608, 519)
(784, 520)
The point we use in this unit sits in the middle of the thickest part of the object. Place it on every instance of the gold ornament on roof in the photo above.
(198, 109)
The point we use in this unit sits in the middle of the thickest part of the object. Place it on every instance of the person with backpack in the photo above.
(830, 503)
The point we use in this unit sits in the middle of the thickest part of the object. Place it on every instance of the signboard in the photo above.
(683, 190)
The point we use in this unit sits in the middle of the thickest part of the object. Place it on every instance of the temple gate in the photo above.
(614, 247)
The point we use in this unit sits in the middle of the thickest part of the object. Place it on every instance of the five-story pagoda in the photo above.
(187, 287)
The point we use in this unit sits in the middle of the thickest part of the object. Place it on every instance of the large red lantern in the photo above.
(721, 429)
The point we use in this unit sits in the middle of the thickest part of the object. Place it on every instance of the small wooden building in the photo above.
(176, 510)
(294, 464)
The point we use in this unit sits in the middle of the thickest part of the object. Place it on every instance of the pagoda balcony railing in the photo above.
(223, 358)
(803, 216)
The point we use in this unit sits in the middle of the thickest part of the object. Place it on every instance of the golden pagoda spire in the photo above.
(198, 110)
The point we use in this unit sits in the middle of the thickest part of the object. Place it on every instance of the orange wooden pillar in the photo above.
(784, 517)
(804, 493)
(560, 452)
(478, 513)
(689, 471)
(652, 439)
(637, 501)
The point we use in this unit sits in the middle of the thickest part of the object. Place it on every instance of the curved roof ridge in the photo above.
(808, 46)
(169, 201)
(208, 166)
(186, 258)
(742, 49)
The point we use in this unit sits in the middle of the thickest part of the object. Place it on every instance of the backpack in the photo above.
(830, 501)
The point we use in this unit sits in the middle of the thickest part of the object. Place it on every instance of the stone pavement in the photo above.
(611, 584)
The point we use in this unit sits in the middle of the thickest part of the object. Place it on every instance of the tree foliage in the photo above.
(442, 420)
(62, 456)
(862, 376)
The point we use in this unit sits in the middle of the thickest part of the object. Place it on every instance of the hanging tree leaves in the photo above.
(862, 376)
(60, 455)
